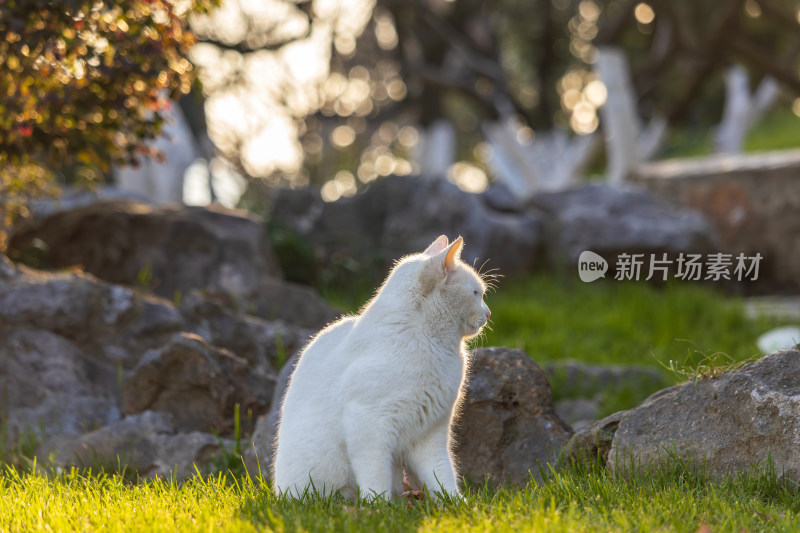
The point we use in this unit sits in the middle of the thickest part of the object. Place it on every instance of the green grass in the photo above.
(630, 323)
(777, 130)
(670, 498)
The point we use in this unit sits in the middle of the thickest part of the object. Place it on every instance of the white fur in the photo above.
(377, 392)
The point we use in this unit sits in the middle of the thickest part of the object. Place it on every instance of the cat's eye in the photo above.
(475, 293)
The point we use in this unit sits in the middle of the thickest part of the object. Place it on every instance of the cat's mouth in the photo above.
(475, 328)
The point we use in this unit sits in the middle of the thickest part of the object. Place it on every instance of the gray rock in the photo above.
(62, 303)
(199, 384)
(577, 412)
(593, 442)
(508, 425)
(157, 316)
(171, 251)
(147, 443)
(583, 380)
(610, 220)
(111, 324)
(511, 242)
(168, 249)
(261, 342)
(291, 303)
(500, 198)
(68, 341)
(65, 341)
(401, 215)
(732, 423)
(48, 387)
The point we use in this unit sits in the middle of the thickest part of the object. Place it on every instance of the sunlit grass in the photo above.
(632, 323)
(674, 498)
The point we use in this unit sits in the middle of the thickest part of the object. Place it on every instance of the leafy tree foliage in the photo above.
(84, 84)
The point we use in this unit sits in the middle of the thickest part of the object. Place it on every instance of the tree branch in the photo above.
(763, 61)
(243, 48)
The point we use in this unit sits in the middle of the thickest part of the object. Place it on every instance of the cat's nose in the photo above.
(488, 315)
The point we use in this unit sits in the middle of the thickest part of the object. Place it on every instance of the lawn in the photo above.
(612, 322)
(601, 323)
(677, 498)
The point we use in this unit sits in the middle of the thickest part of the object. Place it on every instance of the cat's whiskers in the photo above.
(489, 277)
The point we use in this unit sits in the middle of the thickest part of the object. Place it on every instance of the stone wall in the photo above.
(753, 202)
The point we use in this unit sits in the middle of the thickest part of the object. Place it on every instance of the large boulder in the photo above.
(401, 215)
(173, 251)
(508, 427)
(146, 444)
(70, 343)
(112, 324)
(198, 383)
(728, 424)
(58, 365)
(63, 303)
(610, 220)
(752, 200)
(115, 325)
(166, 249)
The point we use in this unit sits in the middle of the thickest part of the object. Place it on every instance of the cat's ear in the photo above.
(436, 246)
(439, 265)
(453, 255)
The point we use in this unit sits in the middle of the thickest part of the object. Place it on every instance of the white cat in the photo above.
(375, 393)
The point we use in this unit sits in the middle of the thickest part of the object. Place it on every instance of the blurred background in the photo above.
(339, 94)
(536, 95)
(258, 162)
